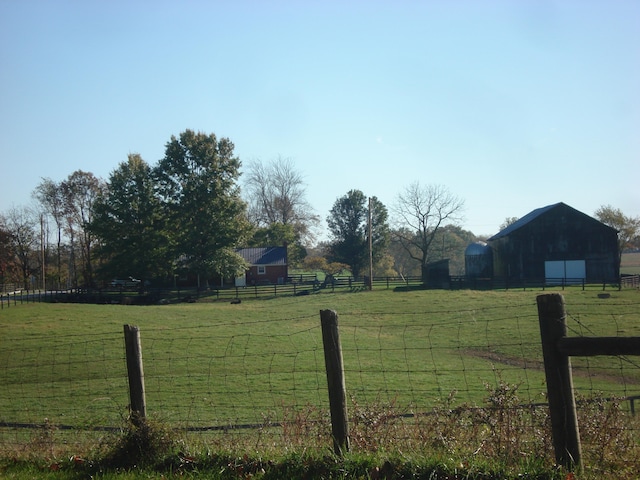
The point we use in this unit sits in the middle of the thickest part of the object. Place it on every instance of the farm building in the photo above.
(556, 243)
(478, 260)
(268, 265)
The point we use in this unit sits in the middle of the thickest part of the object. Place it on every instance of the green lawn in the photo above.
(216, 363)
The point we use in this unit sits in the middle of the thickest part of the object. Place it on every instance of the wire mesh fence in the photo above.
(438, 377)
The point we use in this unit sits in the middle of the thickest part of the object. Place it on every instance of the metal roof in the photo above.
(535, 214)
(523, 221)
(264, 255)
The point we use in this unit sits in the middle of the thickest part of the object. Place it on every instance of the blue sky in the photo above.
(512, 105)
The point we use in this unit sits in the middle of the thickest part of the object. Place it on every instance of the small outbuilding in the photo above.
(556, 243)
(267, 266)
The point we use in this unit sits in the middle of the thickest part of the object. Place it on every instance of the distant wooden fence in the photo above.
(297, 285)
(630, 281)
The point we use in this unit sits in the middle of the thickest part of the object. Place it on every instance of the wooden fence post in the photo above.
(335, 381)
(136, 374)
(557, 367)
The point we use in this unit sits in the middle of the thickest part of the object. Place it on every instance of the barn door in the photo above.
(575, 271)
(564, 271)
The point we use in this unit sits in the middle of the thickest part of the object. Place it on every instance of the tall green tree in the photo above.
(348, 223)
(129, 223)
(197, 179)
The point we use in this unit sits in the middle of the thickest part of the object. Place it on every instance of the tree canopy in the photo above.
(129, 223)
(628, 227)
(348, 223)
(197, 181)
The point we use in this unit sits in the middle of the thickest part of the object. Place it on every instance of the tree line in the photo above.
(186, 216)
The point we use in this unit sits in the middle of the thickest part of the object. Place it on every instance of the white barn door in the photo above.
(567, 271)
(575, 271)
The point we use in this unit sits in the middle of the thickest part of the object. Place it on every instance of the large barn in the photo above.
(556, 243)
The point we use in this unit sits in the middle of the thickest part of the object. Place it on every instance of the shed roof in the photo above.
(264, 255)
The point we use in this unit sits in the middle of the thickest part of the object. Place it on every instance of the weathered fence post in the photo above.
(135, 373)
(335, 381)
(557, 367)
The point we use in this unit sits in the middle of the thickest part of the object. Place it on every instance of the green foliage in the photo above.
(628, 228)
(142, 444)
(227, 263)
(197, 180)
(348, 223)
(330, 269)
(280, 234)
(129, 223)
(450, 243)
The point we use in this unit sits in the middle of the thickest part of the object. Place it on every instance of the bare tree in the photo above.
(508, 222)
(420, 212)
(21, 223)
(81, 190)
(50, 195)
(276, 194)
(7, 255)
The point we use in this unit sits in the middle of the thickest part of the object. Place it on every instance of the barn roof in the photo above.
(532, 216)
(264, 255)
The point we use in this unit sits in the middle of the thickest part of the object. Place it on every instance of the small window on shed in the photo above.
(262, 270)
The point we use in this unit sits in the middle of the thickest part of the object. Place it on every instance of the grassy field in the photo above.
(630, 263)
(213, 364)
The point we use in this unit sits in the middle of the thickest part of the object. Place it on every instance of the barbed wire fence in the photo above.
(438, 378)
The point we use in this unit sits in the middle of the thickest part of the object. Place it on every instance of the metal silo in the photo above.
(478, 261)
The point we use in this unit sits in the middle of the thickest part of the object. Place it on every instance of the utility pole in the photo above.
(42, 251)
(370, 249)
